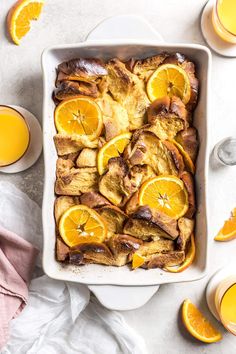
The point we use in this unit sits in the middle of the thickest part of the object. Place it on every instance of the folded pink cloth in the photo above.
(17, 260)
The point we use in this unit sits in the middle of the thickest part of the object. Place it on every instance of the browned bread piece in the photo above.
(81, 69)
(145, 67)
(66, 144)
(148, 224)
(93, 252)
(127, 89)
(115, 117)
(122, 246)
(62, 250)
(187, 178)
(189, 140)
(132, 204)
(167, 116)
(72, 89)
(115, 184)
(75, 181)
(161, 260)
(146, 149)
(159, 246)
(62, 204)
(87, 158)
(93, 200)
(186, 228)
(114, 219)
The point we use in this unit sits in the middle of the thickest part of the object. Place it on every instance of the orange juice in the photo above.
(14, 136)
(224, 19)
(225, 301)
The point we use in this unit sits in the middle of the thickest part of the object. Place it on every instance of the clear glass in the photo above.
(225, 151)
(224, 19)
(221, 291)
(14, 136)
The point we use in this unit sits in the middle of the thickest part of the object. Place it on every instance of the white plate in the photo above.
(124, 49)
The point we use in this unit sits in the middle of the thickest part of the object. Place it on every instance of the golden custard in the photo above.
(228, 306)
(14, 136)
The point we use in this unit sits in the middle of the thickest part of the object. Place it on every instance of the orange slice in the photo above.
(197, 325)
(79, 116)
(20, 16)
(166, 194)
(137, 261)
(169, 80)
(81, 224)
(228, 231)
(187, 159)
(188, 260)
(112, 148)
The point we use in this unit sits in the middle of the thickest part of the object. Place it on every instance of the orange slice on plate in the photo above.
(169, 80)
(79, 116)
(187, 159)
(20, 16)
(137, 261)
(228, 231)
(81, 224)
(197, 325)
(188, 259)
(112, 148)
(166, 194)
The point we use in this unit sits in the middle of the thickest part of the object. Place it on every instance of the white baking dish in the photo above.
(124, 49)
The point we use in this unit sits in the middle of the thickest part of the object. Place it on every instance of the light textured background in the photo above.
(69, 21)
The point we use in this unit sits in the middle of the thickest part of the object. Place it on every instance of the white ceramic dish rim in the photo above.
(52, 267)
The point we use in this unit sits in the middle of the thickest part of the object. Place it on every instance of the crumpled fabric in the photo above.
(61, 317)
(15, 276)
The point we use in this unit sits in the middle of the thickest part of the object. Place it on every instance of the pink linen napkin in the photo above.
(17, 260)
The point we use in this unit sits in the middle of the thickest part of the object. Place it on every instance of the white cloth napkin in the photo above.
(60, 317)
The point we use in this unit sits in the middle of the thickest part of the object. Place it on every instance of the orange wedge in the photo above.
(112, 148)
(187, 159)
(166, 194)
(228, 231)
(197, 325)
(81, 224)
(20, 16)
(79, 116)
(137, 261)
(169, 80)
(188, 260)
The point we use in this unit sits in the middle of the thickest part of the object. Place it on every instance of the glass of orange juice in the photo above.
(14, 136)
(224, 19)
(225, 303)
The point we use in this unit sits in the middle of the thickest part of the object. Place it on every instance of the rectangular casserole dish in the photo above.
(99, 274)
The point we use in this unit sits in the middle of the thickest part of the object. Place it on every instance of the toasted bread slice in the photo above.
(148, 224)
(75, 181)
(127, 89)
(87, 158)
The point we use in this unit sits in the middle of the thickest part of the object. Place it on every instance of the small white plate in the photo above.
(35, 146)
(213, 40)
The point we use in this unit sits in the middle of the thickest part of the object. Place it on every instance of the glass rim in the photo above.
(218, 17)
(28, 127)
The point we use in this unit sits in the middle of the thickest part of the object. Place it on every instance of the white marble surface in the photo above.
(68, 21)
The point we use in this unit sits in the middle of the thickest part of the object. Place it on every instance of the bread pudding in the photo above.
(127, 150)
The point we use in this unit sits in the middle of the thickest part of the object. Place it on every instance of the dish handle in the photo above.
(123, 298)
(119, 28)
(124, 27)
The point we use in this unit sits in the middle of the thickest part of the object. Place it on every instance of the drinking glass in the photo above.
(225, 151)
(224, 19)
